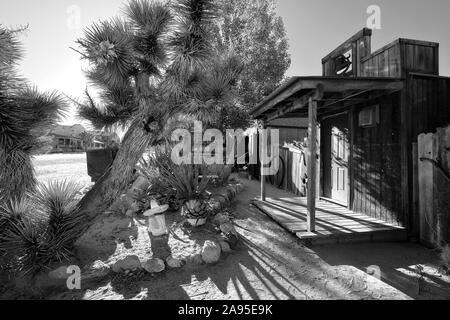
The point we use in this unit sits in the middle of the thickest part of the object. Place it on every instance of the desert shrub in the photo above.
(174, 184)
(220, 174)
(40, 229)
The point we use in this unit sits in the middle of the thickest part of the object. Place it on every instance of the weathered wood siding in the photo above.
(401, 57)
(428, 108)
(289, 176)
(375, 164)
(429, 101)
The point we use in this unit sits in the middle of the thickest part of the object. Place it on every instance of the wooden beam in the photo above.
(312, 160)
(263, 153)
(298, 104)
(330, 84)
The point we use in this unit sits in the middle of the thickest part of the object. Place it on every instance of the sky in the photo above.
(314, 28)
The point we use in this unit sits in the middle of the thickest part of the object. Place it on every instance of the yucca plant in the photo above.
(189, 182)
(24, 112)
(152, 65)
(41, 228)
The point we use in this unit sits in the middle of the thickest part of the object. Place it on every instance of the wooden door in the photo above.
(335, 150)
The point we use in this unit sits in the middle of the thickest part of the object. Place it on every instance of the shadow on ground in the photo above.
(399, 265)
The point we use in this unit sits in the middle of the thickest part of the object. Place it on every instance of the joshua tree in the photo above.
(151, 67)
(24, 111)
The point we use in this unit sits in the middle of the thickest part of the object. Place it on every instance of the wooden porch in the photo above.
(333, 223)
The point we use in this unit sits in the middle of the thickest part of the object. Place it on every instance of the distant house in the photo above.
(69, 139)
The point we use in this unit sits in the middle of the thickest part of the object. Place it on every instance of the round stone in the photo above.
(154, 265)
(128, 263)
(174, 263)
(211, 252)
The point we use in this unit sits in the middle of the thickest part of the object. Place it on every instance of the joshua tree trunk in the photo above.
(133, 145)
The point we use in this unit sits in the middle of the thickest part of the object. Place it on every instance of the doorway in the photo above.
(335, 160)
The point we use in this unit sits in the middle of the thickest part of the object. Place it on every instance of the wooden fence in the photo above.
(291, 175)
(433, 171)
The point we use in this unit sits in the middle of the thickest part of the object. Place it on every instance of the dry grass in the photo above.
(71, 166)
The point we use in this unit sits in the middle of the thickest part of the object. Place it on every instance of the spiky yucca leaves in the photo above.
(58, 200)
(24, 111)
(42, 228)
(108, 46)
(172, 59)
(184, 178)
(150, 21)
(116, 108)
(16, 174)
(22, 115)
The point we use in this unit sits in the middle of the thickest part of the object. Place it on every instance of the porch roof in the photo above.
(291, 99)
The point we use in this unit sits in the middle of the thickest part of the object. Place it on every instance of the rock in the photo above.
(174, 263)
(220, 219)
(211, 252)
(154, 265)
(195, 259)
(228, 228)
(224, 246)
(129, 263)
(59, 273)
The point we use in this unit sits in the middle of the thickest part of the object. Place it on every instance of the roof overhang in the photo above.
(292, 98)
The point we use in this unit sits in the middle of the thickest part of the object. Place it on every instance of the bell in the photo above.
(157, 219)
(342, 64)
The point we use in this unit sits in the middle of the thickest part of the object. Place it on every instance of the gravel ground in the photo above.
(269, 263)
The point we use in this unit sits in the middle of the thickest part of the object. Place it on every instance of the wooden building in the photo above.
(364, 115)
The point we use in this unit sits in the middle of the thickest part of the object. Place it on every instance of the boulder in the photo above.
(174, 263)
(154, 265)
(220, 219)
(128, 263)
(211, 252)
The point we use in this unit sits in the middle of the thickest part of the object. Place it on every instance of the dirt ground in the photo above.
(269, 263)
(399, 265)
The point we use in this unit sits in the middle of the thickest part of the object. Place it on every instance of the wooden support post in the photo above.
(312, 163)
(263, 146)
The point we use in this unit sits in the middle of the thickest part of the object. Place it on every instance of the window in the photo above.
(369, 116)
